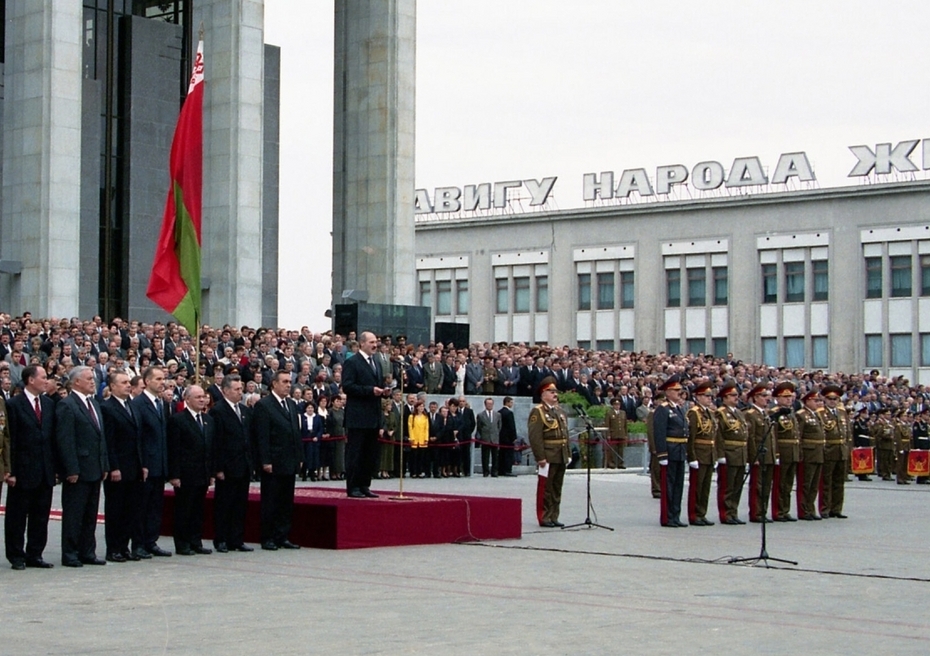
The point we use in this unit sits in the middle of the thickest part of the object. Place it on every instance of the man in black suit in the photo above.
(276, 431)
(123, 486)
(231, 426)
(31, 417)
(361, 384)
(190, 469)
(466, 435)
(152, 417)
(508, 437)
(82, 452)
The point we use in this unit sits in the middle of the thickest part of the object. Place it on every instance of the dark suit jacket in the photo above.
(508, 426)
(154, 438)
(32, 446)
(190, 450)
(363, 408)
(82, 446)
(277, 435)
(231, 440)
(124, 446)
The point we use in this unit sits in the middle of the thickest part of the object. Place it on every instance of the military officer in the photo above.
(670, 430)
(838, 432)
(787, 442)
(862, 436)
(902, 445)
(813, 442)
(654, 467)
(762, 466)
(732, 437)
(883, 436)
(615, 421)
(548, 435)
(921, 436)
(702, 430)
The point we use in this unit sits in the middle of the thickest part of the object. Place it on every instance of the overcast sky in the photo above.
(516, 89)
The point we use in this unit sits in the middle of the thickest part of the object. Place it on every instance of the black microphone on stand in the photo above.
(781, 412)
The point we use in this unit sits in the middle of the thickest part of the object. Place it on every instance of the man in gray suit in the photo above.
(489, 429)
(432, 374)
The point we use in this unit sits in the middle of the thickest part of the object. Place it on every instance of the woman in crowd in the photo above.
(446, 433)
(388, 433)
(311, 433)
(326, 447)
(418, 430)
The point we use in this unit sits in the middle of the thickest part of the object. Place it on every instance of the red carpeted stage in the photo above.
(327, 519)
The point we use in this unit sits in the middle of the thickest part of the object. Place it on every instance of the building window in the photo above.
(697, 287)
(461, 296)
(901, 350)
(605, 291)
(673, 346)
(794, 283)
(925, 350)
(584, 344)
(672, 288)
(584, 291)
(820, 353)
(626, 289)
(721, 286)
(925, 275)
(720, 347)
(900, 276)
(626, 345)
(873, 277)
(770, 351)
(821, 280)
(697, 346)
(542, 293)
(444, 297)
(426, 297)
(769, 283)
(521, 294)
(604, 345)
(503, 295)
(794, 352)
(873, 350)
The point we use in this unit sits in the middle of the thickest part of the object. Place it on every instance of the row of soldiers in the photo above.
(892, 433)
(776, 445)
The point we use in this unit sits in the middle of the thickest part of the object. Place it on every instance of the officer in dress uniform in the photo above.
(813, 441)
(921, 436)
(762, 468)
(838, 432)
(732, 437)
(883, 435)
(702, 429)
(902, 445)
(654, 467)
(548, 435)
(862, 436)
(615, 421)
(787, 441)
(670, 429)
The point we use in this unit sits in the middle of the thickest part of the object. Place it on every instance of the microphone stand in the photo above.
(763, 553)
(589, 433)
(400, 494)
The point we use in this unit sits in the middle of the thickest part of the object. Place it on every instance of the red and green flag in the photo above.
(175, 281)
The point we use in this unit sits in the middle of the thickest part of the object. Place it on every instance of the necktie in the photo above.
(38, 410)
(200, 421)
(284, 405)
(238, 412)
(93, 415)
(374, 367)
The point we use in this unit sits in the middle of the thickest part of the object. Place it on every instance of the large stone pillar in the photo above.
(42, 154)
(232, 139)
(373, 150)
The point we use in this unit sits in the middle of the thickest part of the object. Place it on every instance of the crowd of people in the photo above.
(82, 400)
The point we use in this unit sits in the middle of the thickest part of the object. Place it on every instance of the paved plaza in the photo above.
(859, 587)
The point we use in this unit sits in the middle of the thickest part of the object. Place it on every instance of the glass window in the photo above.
(820, 352)
(503, 295)
(604, 345)
(873, 351)
(542, 293)
(626, 289)
(697, 287)
(584, 344)
(721, 286)
(794, 352)
(821, 280)
(770, 351)
(925, 350)
(584, 291)
(626, 345)
(443, 297)
(461, 293)
(426, 297)
(769, 283)
(900, 276)
(873, 277)
(901, 350)
(720, 347)
(673, 346)
(794, 284)
(605, 291)
(925, 275)
(673, 288)
(697, 346)
(521, 294)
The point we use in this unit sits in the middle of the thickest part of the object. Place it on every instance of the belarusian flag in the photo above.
(175, 281)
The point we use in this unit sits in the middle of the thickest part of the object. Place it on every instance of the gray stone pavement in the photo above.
(861, 585)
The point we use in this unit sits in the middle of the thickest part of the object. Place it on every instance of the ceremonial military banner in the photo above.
(863, 460)
(918, 462)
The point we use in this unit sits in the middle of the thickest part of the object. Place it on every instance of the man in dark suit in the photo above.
(361, 385)
(508, 436)
(82, 452)
(152, 417)
(466, 434)
(276, 431)
(190, 470)
(489, 429)
(31, 417)
(123, 486)
(231, 426)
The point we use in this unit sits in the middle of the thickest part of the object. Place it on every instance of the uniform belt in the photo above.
(677, 440)
(787, 441)
(559, 441)
(733, 443)
(834, 441)
(813, 442)
(704, 442)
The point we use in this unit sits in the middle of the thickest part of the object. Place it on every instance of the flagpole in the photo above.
(197, 354)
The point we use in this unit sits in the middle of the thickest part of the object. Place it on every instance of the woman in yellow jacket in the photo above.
(418, 430)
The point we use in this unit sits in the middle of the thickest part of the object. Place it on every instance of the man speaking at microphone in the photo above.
(361, 382)
(548, 435)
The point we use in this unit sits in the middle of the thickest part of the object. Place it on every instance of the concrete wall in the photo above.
(270, 181)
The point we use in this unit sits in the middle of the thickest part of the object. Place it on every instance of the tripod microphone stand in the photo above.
(763, 553)
(589, 433)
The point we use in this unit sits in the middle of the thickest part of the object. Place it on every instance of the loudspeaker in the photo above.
(455, 333)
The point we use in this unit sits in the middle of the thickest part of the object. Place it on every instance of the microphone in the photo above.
(781, 412)
(577, 407)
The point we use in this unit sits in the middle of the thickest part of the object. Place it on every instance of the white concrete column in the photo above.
(42, 154)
